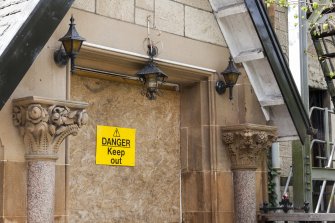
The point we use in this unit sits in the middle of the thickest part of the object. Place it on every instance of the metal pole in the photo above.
(275, 155)
(303, 55)
(326, 128)
(288, 181)
(330, 160)
(331, 198)
(305, 98)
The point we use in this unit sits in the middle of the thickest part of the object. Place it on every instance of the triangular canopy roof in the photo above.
(25, 28)
(252, 41)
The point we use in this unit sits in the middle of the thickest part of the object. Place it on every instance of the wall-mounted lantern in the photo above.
(151, 76)
(230, 75)
(71, 42)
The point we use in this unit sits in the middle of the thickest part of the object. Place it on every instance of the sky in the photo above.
(294, 52)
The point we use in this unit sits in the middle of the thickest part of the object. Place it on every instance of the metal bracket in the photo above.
(60, 57)
(220, 87)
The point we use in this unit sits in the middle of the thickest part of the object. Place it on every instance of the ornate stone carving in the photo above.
(247, 143)
(44, 124)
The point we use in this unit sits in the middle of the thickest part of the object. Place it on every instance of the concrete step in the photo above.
(296, 217)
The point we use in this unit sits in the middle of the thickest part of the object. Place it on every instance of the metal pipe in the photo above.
(316, 140)
(275, 156)
(330, 160)
(142, 56)
(320, 196)
(288, 181)
(326, 131)
(319, 141)
(123, 76)
(303, 55)
(66, 161)
(275, 152)
(331, 198)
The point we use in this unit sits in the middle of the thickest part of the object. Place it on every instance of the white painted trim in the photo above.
(266, 112)
(231, 10)
(272, 102)
(142, 56)
(249, 55)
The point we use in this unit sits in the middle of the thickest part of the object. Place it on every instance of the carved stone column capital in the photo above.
(45, 123)
(246, 143)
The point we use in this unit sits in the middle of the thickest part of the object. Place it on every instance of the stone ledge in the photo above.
(48, 101)
(248, 126)
(296, 217)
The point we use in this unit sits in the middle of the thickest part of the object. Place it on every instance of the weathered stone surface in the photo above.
(88, 5)
(246, 143)
(198, 217)
(41, 191)
(201, 4)
(13, 192)
(225, 187)
(315, 74)
(196, 191)
(141, 16)
(195, 118)
(285, 163)
(285, 158)
(148, 192)
(118, 9)
(145, 4)
(169, 16)
(44, 124)
(281, 27)
(60, 192)
(285, 149)
(244, 196)
(14, 187)
(201, 25)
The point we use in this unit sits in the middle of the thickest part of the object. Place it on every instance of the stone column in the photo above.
(246, 144)
(44, 124)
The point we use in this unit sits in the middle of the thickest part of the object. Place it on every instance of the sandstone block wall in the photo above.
(191, 19)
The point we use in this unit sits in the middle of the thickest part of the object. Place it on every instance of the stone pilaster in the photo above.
(246, 143)
(44, 124)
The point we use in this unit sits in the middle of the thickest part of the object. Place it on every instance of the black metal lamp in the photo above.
(151, 75)
(71, 42)
(230, 75)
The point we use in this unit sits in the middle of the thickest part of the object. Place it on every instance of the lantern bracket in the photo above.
(60, 57)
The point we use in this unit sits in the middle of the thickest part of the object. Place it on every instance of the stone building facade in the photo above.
(188, 164)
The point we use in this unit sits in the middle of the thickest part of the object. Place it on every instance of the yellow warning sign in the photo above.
(115, 146)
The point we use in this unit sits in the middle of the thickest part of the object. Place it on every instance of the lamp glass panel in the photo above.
(67, 46)
(76, 46)
(151, 81)
(230, 78)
